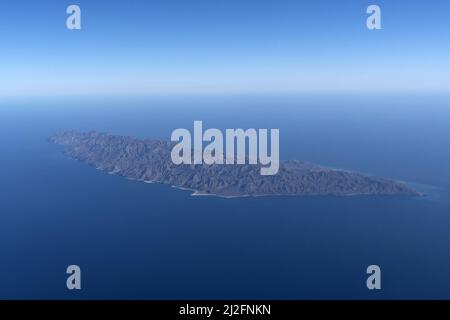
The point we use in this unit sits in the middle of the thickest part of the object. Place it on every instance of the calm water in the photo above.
(135, 240)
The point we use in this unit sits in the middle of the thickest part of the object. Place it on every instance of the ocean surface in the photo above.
(147, 241)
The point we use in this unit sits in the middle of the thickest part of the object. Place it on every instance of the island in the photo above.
(150, 161)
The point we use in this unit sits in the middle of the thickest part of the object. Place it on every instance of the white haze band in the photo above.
(235, 139)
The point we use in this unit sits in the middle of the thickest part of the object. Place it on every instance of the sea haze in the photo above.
(150, 241)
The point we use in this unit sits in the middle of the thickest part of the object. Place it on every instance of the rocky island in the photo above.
(150, 161)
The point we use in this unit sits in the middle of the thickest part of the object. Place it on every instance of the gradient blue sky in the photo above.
(144, 46)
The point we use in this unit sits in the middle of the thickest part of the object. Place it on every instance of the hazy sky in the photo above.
(143, 46)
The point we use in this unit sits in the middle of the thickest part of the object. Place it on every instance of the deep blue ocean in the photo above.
(146, 241)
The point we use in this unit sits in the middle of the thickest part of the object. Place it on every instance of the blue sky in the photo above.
(145, 46)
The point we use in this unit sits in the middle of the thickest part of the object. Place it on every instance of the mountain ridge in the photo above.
(149, 160)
